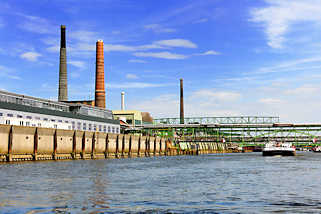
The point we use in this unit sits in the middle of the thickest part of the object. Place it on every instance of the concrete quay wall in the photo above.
(19, 143)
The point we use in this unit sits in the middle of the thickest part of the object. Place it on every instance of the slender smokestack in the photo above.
(63, 90)
(181, 103)
(100, 94)
(122, 101)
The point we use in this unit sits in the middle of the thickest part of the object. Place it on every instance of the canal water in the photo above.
(219, 183)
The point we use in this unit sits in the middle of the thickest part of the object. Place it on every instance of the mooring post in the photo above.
(35, 146)
(138, 150)
(117, 147)
(130, 146)
(93, 146)
(83, 145)
(106, 146)
(54, 155)
(9, 155)
(73, 154)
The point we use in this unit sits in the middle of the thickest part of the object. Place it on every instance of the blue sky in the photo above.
(237, 57)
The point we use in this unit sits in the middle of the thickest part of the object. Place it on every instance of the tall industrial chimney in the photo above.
(100, 94)
(63, 92)
(181, 103)
(122, 101)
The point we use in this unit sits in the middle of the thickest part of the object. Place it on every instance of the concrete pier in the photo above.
(20, 143)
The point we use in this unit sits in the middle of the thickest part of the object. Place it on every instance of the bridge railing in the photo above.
(220, 120)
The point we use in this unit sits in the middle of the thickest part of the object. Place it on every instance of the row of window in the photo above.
(74, 125)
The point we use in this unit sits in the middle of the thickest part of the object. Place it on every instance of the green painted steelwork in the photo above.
(220, 120)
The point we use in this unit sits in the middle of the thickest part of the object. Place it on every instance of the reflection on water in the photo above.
(230, 183)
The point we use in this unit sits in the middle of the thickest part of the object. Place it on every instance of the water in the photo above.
(229, 183)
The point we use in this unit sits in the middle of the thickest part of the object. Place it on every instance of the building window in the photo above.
(89, 127)
(55, 126)
(99, 128)
(66, 121)
(60, 121)
(45, 119)
(10, 115)
(19, 116)
(117, 130)
(78, 125)
(8, 122)
(27, 123)
(104, 128)
(84, 126)
(37, 118)
(29, 117)
(1, 114)
(109, 129)
(52, 120)
(95, 127)
(39, 124)
(21, 123)
(113, 129)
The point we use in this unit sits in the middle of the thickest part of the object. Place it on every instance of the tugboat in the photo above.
(283, 149)
(316, 149)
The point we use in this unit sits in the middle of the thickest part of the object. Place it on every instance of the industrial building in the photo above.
(88, 115)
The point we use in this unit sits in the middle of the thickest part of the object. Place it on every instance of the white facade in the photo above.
(20, 118)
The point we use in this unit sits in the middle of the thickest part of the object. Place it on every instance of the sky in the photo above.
(237, 57)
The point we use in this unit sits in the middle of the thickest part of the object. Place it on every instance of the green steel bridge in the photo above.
(244, 131)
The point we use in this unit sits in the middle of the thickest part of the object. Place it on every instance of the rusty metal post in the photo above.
(181, 102)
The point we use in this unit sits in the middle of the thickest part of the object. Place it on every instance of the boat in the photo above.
(276, 148)
(316, 149)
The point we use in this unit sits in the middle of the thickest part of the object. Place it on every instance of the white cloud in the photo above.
(176, 43)
(78, 64)
(2, 24)
(203, 20)
(226, 96)
(111, 47)
(138, 85)
(6, 72)
(54, 49)
(270, 101)
(293, 65)
(161, 55)
(36, 24)
(83, 35)
(137, 61)
(131, 76)
(210, 52)
(30, 56)
(159, 29)
(304, 90)
(279, 17)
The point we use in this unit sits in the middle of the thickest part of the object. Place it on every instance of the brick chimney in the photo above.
(100, 94)
(63, 90)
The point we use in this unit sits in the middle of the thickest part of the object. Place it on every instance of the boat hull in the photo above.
(279, 152)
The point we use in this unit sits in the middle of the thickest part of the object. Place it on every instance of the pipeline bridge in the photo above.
(244, 130)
